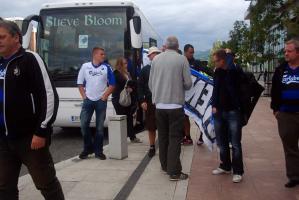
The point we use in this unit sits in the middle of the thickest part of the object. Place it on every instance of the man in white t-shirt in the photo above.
(96, 82)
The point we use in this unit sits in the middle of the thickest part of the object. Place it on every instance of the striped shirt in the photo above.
(290, 90)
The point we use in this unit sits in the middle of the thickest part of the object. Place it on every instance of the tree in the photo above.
(239, 42)
(271, 22)
(216, 45)
(291, 18)
(265, 28)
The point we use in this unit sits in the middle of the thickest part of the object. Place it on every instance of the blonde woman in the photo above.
(122, 75)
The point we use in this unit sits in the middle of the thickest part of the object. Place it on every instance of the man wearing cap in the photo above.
(145, 100)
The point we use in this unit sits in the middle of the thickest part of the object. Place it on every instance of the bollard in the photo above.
(117, 131)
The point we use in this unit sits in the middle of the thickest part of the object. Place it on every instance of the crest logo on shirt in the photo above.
(2, 73)
(288, 79)
(17, 71)
(95, 73)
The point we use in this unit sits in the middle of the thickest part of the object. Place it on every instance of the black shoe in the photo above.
(291, 184)
(101, 156)
(178, 177)
(151, 152)
(90, 151)
(83, 155)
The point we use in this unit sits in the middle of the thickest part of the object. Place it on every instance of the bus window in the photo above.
(70, 36)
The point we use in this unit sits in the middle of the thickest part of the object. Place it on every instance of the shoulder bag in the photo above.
(125, 97)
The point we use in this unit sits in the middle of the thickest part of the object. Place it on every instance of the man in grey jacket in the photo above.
(169, 78)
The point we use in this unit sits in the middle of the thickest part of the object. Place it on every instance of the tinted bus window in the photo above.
(70, 35)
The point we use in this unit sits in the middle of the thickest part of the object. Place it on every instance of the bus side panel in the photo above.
(70, 105)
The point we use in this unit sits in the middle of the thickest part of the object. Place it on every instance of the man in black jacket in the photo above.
(285, 105)
(28, 108)
(196, 65)
(226, 108)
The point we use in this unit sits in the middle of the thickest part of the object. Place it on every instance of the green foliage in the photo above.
(216, 45)
(255, 44)
(239, 42)
(291, 18)
(265, 26)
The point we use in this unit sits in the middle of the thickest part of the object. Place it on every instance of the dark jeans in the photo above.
(128, 111)
(228, 129)
(40, 166)
(93, 144)
(288, 127)
(170, 124)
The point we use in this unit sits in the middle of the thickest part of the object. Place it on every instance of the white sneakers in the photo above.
(220, 171)
(236, 177)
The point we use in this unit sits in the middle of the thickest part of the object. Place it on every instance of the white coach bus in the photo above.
(66, 34)
(19, 22)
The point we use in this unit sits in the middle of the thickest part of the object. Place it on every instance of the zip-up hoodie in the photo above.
(30, 99)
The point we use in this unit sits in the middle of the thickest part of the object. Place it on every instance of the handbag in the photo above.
(125, 97)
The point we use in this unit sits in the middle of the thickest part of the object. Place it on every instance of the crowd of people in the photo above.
(29, 103)
(160, 93)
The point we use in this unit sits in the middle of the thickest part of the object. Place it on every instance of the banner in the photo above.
(198, 106)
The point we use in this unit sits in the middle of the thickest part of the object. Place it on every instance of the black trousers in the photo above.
(40, 166)
(170, 124)
(288, 127)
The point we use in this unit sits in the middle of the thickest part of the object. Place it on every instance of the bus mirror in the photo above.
(135, 27)
(27, 28)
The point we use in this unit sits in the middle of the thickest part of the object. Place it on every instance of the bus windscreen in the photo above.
(70, 34)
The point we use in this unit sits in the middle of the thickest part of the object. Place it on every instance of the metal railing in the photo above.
(265, 79)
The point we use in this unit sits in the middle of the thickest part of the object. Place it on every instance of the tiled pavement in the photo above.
(264, 176)
(94, 179)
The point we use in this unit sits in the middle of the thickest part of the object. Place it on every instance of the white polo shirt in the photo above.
(95, 79)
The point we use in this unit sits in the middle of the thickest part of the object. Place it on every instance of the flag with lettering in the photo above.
(198, 106)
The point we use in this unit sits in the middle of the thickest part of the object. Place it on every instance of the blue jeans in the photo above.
(228, 129)
(93, 144)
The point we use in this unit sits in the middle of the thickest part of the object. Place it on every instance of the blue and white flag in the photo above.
(198, 105)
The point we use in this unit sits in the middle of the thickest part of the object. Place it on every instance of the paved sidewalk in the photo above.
(264, 176)
(94, 179)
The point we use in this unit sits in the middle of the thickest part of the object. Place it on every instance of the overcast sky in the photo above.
(199, 22)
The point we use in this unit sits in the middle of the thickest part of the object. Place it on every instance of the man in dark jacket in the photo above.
(28, 108)
(145, 100)
(196, 65)
(285, 105)
(226, 108)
